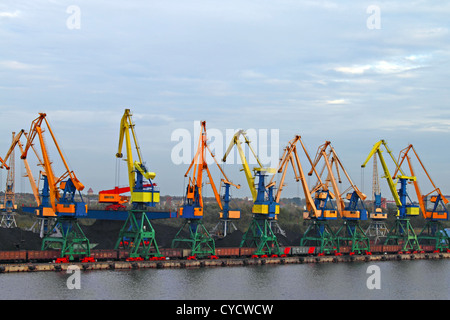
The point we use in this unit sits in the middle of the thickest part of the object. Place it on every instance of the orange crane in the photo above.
(199, 239)
(432, 205)
(319, 207)
(70, 239)
(329, 202)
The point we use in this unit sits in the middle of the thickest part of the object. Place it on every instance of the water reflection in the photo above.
(421, 279)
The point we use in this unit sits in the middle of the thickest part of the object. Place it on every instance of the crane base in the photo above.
(377, 231)
(66, 235)
(434, 233)
(199, 240)
(354, 236)
(8, 220)
(402, 233)
(137, 236)
(261, 236)
(320, 234)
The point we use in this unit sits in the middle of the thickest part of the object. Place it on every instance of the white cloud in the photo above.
(337, 101)
(386, 66)
(6, 14)
(16, 65)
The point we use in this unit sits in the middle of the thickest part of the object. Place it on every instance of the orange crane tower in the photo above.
(70, 239)
(433, 206)
(199, 239)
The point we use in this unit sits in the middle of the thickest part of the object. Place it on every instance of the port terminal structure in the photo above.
(60, 204)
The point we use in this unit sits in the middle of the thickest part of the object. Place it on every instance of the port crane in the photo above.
(432, 205)
(402, 233)
(265, 209)
(200, 240)
(319, 233)
(351, 212)
(137, 236)
(331, 202)
(70, 239)
(44, 211)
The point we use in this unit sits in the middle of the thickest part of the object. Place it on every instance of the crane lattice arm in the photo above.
(54, 182)
(246, 168)
(377, 149)
(290, 156)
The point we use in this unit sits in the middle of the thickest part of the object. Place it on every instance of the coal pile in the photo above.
(12, 239)
(104, 234)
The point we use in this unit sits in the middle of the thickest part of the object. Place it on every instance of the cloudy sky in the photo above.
(351, 72)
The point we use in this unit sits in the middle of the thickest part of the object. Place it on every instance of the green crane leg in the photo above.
(434, 233)
(71, 241)
(353, 234)
(260, 235)
(320, 234)
(402, 233)
(199, 240)
(137, 236)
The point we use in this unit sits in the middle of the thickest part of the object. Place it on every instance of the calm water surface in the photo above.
(417, 279)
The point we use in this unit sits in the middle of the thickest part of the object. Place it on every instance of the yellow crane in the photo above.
(402, 232)
(137, 235)
(265, 209)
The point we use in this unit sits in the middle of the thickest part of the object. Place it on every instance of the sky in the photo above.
(349, 72)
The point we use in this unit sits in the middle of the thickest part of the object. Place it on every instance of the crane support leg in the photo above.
(435, 234)
(320, 234)
(137, 236)
(402, 233)
(70, 239)
(377, 231)
(261, 236)
(351, 234)
(8, 220)
(199, 240)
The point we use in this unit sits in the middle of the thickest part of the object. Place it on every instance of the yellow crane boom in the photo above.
(377, 149)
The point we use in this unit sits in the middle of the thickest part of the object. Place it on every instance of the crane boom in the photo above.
(290, 156)
(376, 149)
(248, 174)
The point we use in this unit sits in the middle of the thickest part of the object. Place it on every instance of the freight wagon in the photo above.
(22, 256)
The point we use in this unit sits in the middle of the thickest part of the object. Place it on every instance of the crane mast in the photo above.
(9, 205)
(377, 228)
(265, 209)
(402, 233)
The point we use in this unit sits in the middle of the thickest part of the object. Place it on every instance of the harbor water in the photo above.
(387, 280)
